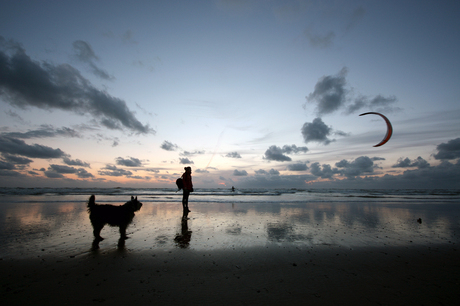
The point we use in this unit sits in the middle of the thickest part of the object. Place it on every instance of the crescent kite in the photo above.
(389, 128)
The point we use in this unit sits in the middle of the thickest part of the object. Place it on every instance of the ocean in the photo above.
(226, 195)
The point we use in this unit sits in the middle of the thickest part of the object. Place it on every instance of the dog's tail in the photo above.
(91, 202)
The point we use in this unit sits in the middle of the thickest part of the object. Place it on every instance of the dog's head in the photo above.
(134, 204)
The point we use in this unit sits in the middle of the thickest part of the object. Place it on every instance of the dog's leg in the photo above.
(123, 232)
(97, 228)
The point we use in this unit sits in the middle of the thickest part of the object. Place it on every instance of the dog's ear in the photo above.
(132, 198)
(136, 198)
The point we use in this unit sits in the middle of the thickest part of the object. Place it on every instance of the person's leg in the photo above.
(185, 199)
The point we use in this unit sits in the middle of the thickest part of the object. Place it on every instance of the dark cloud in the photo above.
(326, 172)
(319, 40)
(444, 175)
(378, 103)
(43, 132)
(75, 162)
(240, 173)
(6, 165)
(276, 153)
(330, 93)
(185, 161)
(53, 174)
(270, 172)
(294, 149)
(62, 169)
(449, 150)
(17, 160)
(82, 173)
(25, 83)
(168, 146)
(111, 170)
(316, 131)
(201, 171)
(357, 167)
(419, 162)
(84, 52)
(129, 162)
(297, 167)
(187, 153)
(233, 155)
(15, 146)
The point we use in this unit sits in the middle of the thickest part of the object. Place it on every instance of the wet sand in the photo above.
(279, 255)
(250, 276)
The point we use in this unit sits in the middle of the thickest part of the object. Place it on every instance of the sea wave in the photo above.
(222, 195)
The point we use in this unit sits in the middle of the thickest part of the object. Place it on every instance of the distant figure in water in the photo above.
(188, 187)
(233, 189)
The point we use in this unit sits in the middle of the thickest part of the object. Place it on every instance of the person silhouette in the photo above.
(188, 187)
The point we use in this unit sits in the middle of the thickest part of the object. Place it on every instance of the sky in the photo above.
(249, 93)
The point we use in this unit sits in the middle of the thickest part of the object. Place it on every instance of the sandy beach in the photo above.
(226, 254)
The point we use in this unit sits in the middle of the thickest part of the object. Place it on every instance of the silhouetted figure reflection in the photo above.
(183, 239)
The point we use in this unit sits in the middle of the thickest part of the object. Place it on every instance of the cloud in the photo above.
(168, 146)
(330, 93)
(17, 160)
(62, 169)
(75, 162)
(44, 131)
(378, 103)
(15, 146)
(130, 162)
(419, 162)
(185, 161)
(316, 131)
(84, 52)
(297, 167)
(187, 153)
(233, 155)
(58, 171)
(326, 172)
(54, 171)
(270, 172)
(111, 170)
(6, 165)
(449, 150)
(357, 167)
(317, 40)
(240, 173)
(276, 153)
(294, 149)
(82, 173)
(27, 83)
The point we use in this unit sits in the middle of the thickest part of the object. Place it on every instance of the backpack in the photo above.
(180, 183)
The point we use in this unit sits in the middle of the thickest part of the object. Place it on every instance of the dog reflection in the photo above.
(113, 215)
(183, 239)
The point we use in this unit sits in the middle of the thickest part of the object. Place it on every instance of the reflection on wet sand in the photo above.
(183, 239)
(224, 225)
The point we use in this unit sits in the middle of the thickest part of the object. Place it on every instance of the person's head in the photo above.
(188, 169)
